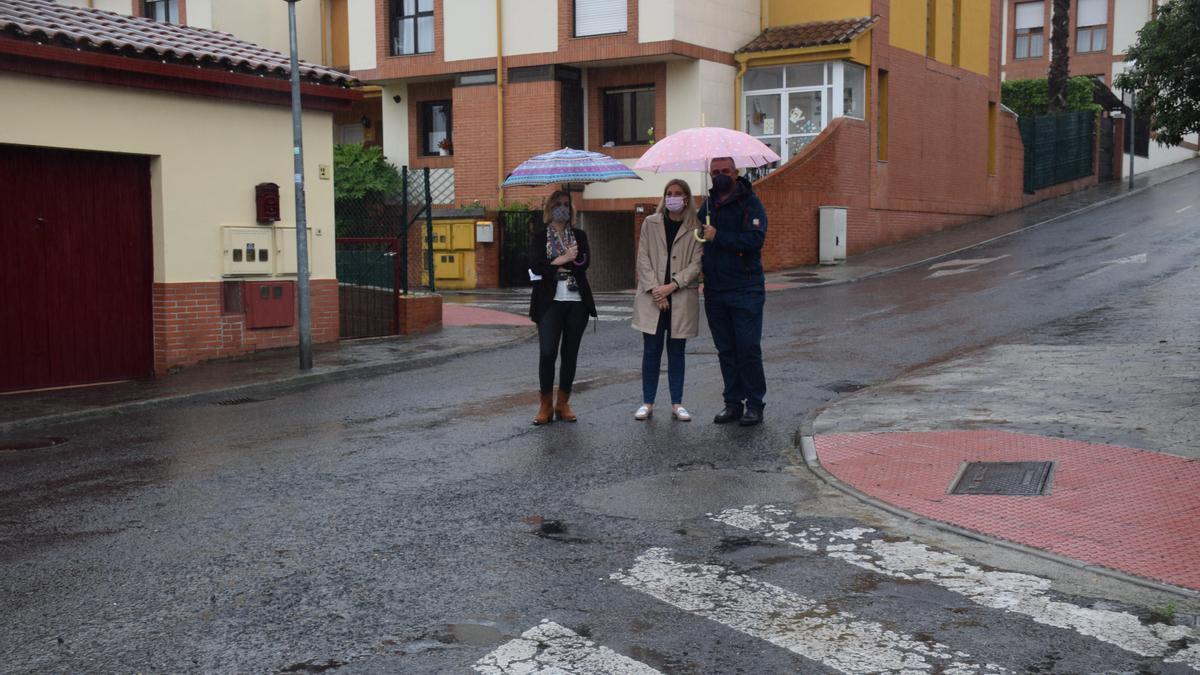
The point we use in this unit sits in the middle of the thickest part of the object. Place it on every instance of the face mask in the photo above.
(560, 213)
(674, 204)
(722, 183)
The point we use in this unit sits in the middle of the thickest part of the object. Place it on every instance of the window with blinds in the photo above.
(1030, 24)
(1091, 26)
(601, 17)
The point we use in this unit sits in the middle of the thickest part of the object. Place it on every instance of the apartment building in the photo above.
(889, 108)
(1101, 33)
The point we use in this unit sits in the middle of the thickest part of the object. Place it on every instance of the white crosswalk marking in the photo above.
(616, 308)
(801, 625)
(551, 649)
(1011, 591)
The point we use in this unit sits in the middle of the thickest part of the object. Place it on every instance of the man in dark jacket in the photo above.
(735, 289)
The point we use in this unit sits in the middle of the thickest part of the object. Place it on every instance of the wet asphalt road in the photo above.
(414, 522)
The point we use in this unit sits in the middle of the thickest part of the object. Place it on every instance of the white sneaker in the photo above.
(682, 414)
(643, 413)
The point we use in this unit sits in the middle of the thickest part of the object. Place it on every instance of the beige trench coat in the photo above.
(685, 270)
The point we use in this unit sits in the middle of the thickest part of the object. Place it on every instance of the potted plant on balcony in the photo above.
(445, 147)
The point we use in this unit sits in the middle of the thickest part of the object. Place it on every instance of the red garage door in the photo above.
(75, 267)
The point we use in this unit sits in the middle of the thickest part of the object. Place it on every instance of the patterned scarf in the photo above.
(557, 244)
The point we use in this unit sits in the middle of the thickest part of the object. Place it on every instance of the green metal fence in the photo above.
(1058, 148)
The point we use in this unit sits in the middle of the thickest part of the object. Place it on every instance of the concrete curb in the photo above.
(808, 450)
(946, 254)
(278, 386)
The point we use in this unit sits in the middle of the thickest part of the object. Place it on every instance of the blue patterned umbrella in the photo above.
(569, 166)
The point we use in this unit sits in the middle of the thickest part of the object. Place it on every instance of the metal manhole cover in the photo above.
(1004, 478)
(14, 444)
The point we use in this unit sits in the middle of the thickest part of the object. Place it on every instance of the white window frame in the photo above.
(831, 91)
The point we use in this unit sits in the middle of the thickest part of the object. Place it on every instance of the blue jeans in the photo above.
(652, 349)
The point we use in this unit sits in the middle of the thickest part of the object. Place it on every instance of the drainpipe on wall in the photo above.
(737, 91)
(499, 106)
(764, 10)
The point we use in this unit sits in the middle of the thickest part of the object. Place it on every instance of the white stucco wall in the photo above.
(395, 123)
(361, 25)
(530, 27)
(118, 6)
(726, 25)
(265, 23)
(716, 94)
(656, 20)
(683, 95)
(199, 13)
(1004, 34)
(208, 154)
(1128, 18)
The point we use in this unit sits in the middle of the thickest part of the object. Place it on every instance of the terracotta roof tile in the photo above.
(44, 20)
(809, 34)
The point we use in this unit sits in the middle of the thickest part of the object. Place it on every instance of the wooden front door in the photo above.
(76, 267)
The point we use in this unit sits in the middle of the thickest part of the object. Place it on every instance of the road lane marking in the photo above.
(804, 626)
(1010, 591)
(551, 648)
(1185, 208)
(1139, 259)
(962, 266)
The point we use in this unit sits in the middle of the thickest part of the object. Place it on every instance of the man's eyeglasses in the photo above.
(726, 171)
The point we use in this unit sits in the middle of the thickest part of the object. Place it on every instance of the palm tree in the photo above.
(1059, 56)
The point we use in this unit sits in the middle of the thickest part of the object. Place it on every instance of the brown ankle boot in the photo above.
(562, 409)
(545, 411)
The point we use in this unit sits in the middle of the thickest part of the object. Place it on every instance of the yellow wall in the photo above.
(907, 25)
(909, 22)
(208, 156)
(976, 49)
(788, 12)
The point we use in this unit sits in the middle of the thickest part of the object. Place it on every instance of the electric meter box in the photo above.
(285, 250)
(831, 248)
(246, 250)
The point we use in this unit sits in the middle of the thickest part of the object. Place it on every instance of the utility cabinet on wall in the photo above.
(246, 250)
(832, 242)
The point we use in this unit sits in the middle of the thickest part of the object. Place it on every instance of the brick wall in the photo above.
(418, 313)
(600, 79)
(190, 325)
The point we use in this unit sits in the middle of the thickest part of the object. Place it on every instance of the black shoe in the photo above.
(731, 413)
(751, 417)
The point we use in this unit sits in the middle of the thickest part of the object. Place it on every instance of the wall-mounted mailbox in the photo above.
(485, 232)
(266, 203)
(246, 250)
(269, 304)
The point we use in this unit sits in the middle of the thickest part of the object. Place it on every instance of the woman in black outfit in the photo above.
(561, 302)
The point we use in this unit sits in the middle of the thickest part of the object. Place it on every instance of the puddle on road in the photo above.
(483, 634)
(16, 444)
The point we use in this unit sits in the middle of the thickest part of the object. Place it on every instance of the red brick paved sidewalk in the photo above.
(1129, 510)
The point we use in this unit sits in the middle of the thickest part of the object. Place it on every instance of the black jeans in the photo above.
(735, 319)
(563, 323)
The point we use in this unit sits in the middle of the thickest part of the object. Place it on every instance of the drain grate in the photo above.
(1004, 478)
(15, 444)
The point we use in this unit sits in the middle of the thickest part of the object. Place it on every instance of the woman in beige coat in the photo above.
(667, 305)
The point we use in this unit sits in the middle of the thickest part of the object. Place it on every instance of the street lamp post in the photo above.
(302, 293)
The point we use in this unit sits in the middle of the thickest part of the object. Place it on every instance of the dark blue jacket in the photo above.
(733, 260)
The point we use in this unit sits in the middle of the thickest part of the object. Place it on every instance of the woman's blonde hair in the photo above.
(689, 207)
(547, 217)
